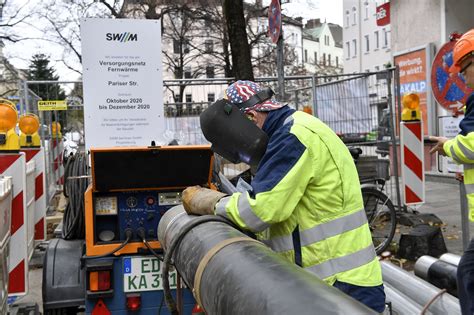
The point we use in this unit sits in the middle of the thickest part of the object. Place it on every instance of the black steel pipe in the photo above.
(246, 277)
(437, 272)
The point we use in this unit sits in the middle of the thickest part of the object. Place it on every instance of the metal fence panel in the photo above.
(358, 107)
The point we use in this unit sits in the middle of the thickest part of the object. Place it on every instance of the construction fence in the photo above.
(360, 108)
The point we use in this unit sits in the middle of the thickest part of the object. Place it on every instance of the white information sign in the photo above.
(123, 85)
(449, 128)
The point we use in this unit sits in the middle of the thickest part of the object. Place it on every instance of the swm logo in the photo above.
(122, 37)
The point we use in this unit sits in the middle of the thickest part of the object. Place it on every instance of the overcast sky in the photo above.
(20, 53)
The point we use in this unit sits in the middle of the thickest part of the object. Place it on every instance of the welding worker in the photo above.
(305, 193)
(461, 150)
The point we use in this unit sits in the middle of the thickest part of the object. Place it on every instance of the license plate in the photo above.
(144, 274)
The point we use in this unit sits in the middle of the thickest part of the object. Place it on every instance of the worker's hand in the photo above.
(200, 201)
(439, 145)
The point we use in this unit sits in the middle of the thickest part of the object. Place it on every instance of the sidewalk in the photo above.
(443, 199)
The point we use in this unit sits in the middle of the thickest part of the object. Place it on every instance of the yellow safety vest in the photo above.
(319, 198)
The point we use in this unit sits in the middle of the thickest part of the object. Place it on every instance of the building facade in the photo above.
(367, 47)
(322, 48)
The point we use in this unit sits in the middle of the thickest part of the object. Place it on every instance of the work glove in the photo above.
(200, 201)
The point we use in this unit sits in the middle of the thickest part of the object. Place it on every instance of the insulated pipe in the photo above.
(452, 259)
(245, 276)
(419, 290)
(438, 273)
(401, 304)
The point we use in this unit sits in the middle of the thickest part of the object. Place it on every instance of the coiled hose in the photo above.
(75, 185)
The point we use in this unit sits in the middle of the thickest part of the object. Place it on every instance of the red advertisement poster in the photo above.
(413, 78)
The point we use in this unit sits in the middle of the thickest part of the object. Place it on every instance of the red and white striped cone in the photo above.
(37, 154)
(14, 165)
(413, 175)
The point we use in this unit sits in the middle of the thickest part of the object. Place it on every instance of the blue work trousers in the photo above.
(466, 280)
(373, 297)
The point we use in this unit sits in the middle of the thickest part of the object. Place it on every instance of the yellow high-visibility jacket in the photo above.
(461, 150)
(307, 197)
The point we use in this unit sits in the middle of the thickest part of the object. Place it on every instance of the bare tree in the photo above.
(236, 27)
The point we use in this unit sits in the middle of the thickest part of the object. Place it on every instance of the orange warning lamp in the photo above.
(29, 125)
(9, 140)
(56, 130)
(411, 107)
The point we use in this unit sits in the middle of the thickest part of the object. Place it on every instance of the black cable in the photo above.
(75, 185)
(170, 303)
(141, 234)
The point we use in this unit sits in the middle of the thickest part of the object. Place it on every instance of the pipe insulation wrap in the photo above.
(452, 259)
(419, 290)
(247, 277)
(438, 273)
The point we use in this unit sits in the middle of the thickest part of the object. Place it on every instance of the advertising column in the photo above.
(123, 85)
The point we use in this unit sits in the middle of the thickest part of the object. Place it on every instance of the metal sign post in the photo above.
(276, 35)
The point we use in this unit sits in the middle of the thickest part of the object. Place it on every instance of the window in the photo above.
(347, 18)
(329, 59)
(177, 73)
(366, 4)
(367, 43)
(354, 44)
(348, 50)
(354, 16)
(324, 59)
(326, 40)
(377, 41)
(337, 61)
(386, 38)
(377, 68)
(176, 47)
(186, 46)
(177, 98)
(189, 98)
(187, 72)
(211, 97)
(315, 58)
(305, 55)
(210, 71)
(209, 45)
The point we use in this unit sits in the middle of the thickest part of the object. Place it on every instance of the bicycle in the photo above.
(381, 214)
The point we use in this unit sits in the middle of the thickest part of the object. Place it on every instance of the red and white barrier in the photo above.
(39, 193)
(5, 221)
(58, 167)
(413, 175)
(14, 165)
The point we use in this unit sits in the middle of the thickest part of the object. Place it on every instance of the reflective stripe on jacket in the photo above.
(306, 196)
(461, 150)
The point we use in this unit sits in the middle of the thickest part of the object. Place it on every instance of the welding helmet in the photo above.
(232, 134)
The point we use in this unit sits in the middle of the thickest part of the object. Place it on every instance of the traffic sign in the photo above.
(450, 90)
(274, 20)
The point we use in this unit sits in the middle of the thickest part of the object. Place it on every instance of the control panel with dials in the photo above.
(116, 212)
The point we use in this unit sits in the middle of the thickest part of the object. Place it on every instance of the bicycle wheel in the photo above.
(381, 217)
